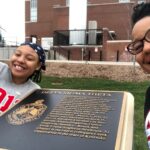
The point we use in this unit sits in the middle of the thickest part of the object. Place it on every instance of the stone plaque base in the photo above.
(69, 120)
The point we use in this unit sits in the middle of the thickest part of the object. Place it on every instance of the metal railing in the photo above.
(80, 37)
(56, 54)
(6, 52)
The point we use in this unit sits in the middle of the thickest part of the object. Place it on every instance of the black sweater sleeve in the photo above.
(147, 103)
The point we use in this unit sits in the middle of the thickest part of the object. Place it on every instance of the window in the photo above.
(33, 38)
(124, 1)
(33, 10)
(141, 1)
(67, 2)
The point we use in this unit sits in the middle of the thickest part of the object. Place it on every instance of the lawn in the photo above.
(136, 88)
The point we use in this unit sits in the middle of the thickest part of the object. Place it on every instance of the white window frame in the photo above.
(33, 10)
(141, 1)
(67, 2)
(124, 1)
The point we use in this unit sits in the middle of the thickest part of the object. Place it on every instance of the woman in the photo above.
(18, 78)
(140, 46)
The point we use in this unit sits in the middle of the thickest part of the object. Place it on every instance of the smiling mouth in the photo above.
(18, 67)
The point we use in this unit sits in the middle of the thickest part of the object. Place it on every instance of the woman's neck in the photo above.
(18, 80)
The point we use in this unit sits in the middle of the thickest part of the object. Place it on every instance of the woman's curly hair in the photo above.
(140, 11)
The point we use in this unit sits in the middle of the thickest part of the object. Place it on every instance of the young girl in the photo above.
(16, 79)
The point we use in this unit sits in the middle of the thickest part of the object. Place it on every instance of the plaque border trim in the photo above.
(121, 121)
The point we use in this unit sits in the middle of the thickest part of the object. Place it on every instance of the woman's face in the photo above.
(138, 32)
(23, 63)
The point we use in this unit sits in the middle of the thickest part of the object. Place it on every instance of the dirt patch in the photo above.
(106, 71)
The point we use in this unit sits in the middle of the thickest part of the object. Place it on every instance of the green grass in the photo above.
(136, 88)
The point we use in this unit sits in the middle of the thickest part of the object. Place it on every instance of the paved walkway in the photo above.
(97, 62)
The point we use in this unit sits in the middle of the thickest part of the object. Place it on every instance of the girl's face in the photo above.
(23, 63)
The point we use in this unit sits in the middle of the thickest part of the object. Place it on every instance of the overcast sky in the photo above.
(12, 19)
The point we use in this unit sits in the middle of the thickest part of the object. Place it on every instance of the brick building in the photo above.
(47, 23)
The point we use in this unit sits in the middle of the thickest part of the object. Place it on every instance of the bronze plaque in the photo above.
(51, 119)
